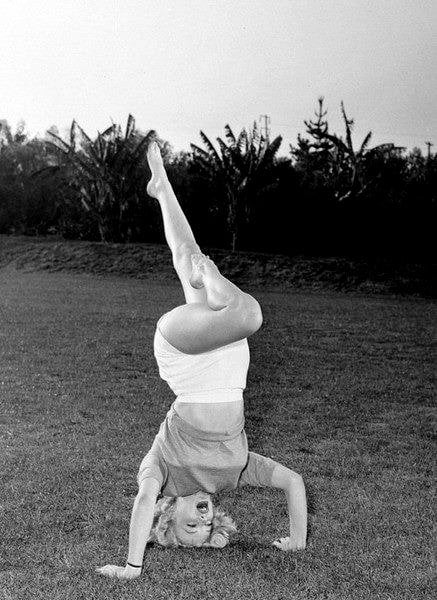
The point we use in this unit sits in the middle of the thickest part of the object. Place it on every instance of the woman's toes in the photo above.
(196, 279)
(154, 159)
(196, 259)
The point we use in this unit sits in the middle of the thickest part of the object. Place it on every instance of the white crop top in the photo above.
(222, 373)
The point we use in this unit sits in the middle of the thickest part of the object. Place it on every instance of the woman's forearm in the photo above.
(297, 508)
(140, 526)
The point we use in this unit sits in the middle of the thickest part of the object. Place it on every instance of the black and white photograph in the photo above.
(218, 299)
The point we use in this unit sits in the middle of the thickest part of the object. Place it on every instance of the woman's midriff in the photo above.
(218, 417)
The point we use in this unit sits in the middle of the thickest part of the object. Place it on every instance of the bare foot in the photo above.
(197, 270)
(159, 176)
(205, 273)
(202, 266)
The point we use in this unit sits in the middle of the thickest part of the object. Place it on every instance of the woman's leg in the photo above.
(228, 315)
(177, 230)
(217, 312)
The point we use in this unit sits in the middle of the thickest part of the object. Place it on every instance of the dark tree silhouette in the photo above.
(241, 167)
(107, 175)
(342, 168)
(332, 197)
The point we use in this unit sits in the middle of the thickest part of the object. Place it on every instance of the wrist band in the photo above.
(135, 566)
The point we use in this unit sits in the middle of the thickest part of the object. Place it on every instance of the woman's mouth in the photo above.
(202, 507)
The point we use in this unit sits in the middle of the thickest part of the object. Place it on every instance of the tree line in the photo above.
(330, 195)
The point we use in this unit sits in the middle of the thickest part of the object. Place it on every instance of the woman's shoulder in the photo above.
(152, 467)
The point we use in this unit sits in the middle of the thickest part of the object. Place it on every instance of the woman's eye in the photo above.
(191, 524)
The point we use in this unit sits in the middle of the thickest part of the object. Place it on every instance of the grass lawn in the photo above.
(339, 389)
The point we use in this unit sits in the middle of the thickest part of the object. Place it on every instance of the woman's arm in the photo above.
(139, 531)
(265, 472)
(294, 488)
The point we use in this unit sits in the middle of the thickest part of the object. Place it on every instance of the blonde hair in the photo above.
(164, 534)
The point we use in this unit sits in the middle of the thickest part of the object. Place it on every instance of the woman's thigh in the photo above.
(195, 328)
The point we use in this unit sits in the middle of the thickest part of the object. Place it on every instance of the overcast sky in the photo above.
(184, 65)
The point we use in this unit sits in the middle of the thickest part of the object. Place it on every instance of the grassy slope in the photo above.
(369, 276)
(339, 389)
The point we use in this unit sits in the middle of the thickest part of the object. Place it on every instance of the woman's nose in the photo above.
(204, 518)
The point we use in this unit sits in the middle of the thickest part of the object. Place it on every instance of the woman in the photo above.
(201, 448)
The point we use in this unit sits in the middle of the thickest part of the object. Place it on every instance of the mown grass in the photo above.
(339, 389)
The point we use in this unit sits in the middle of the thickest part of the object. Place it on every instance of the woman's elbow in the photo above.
(295, 483)
(296, 479)
(286, 479)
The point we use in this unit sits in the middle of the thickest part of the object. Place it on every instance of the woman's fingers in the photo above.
(280, 544)
(289, 543)
(218, 540)
(110, 570)
(114, 571)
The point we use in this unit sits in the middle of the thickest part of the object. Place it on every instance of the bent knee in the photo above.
(253, 317)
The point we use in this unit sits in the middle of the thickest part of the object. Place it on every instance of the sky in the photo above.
(181, 66)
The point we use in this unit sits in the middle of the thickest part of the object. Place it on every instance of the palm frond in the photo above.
(255, 136)
(226, 159)
(210, 147)
(230, 135)
(45, 171)
(242, 137)
(348, 123)
(365, 142)
(272, 149)
(86, 142)
(73, 135)
(130, 127)
(109, 132)
(199, 151)
(6, 129)
(202, 159)
(60, 143)
(363, 151)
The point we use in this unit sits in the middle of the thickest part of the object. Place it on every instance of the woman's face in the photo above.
(193, 517)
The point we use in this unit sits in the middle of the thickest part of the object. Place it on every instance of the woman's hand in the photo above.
(290, 543)
(115, 572)
(218, 540)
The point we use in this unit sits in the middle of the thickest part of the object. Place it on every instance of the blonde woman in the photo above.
(201, 448)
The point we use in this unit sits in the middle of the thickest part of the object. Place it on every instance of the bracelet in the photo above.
(135, 566)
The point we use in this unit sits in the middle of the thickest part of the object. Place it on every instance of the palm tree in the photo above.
(107, 175)
(243, 166)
